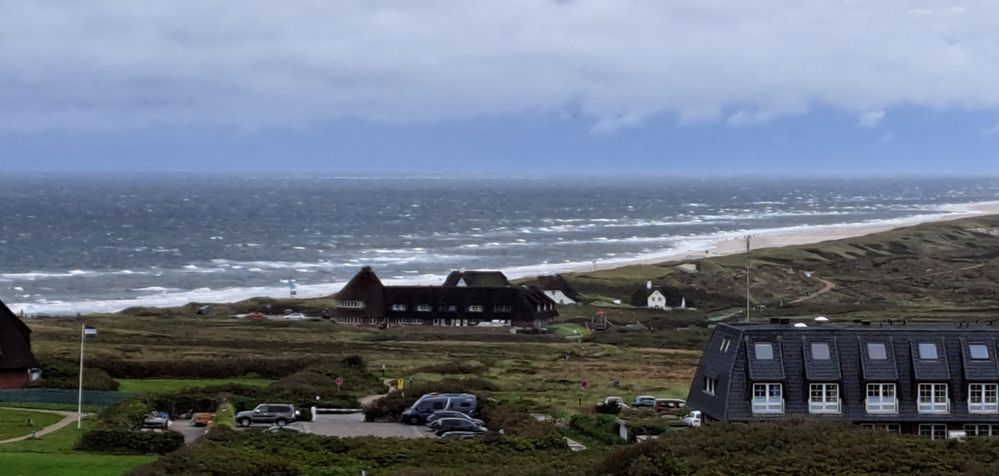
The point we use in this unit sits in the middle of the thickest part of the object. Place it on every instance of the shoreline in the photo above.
(694, 248)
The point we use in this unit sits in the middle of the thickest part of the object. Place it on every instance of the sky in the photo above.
(487, 87)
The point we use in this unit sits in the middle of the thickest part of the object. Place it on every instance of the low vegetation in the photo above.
(62, 373)
(14, 423)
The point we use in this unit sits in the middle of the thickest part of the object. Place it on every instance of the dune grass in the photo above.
(160, 385)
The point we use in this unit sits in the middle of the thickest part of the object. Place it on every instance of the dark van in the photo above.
(418, 412)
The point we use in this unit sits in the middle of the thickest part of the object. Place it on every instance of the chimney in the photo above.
(648, 285)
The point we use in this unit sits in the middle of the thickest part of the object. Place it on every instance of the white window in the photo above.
(981, 429)
(475, 308)
(979, 351)
(398, 307)
(982, 398)
(823, 398)
(881, 398)
(350, 304)
(502, 309)
(933, 398)
(768, 398)
(424, 308)
(877, 351)
(928, 351)
(726, 342)
(820, 351)
(764, 351)
(710, 385)
(933, 431)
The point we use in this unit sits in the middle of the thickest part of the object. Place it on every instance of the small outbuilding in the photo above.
(556, 287)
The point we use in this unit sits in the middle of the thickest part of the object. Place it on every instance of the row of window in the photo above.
(451, 308)
(881, 398)
(875, 350)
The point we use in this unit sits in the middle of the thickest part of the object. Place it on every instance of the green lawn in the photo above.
(159, 385)
(53, 455)
(14, 423)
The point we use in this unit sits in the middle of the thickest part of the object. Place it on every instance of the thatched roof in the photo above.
(478, 279)
(15, 342)
(557, 282)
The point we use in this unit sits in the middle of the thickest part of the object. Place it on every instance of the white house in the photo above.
(557, 288)
(655, 297)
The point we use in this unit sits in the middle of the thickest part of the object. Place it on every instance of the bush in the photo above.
(454, 368)
(60, 373)
(130, 441)
(202, 368)
(600, 427)
(225, 417)
(124, 415)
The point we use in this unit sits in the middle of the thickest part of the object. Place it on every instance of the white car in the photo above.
(295, 316)
(693, 419)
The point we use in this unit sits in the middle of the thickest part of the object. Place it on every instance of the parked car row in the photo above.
(448, 415)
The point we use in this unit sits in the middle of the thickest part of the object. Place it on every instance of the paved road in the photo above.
(68, 419)
(191, 433)
(353, 424)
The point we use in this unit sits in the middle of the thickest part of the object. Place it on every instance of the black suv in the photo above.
(459, 424)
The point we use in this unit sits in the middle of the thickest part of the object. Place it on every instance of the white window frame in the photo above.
(981, 429)
(982, 398)
(476, 308)
(350, 304)
(766, 401)
(398, 308)
(932, 398)
(424, 308)
(933, 431)
(824, 398)
(881, 398)
(710, 385)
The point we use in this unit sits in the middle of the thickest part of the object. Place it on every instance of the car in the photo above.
(256, 316)
(202, 418)
(284, 428)
(447, 425)
(430, 403)
(433, 421)
(612, 400)
(461, 435)
(646, 401)
(693, 419)
(279, 414)
(669, 405)
(157, 421)
(295, 316)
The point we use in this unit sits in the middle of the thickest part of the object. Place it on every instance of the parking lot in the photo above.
(353, 424)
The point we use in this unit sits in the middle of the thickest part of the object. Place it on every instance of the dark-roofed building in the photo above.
(556, 287)
(933, 380)
(365, 300)
(476, 279)
(18, 366)
(657, 297)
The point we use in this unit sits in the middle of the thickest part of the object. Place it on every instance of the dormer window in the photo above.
(928, 351)
(764, 351)
(820, 351)
(979, 351)
(475, 308)
(424, 308)
(877, 351)
(399, 307)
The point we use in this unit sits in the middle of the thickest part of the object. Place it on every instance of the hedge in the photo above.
(130, 441)
(61, 373)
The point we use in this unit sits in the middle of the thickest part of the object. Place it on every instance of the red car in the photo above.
(256, 316)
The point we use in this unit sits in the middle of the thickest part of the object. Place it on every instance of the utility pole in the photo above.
(749, 239)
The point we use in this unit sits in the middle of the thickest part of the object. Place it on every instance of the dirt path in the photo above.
(829, 286)
(68, 419)
(389, 384)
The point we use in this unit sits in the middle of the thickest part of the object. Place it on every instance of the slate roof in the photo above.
(477, 279)
(15, 342)
(735, 369)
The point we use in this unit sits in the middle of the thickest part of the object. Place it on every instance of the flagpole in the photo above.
(79, 399)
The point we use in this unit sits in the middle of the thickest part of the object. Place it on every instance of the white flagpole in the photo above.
(79, 400)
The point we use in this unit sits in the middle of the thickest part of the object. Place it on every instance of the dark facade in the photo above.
(466, 299)
(909, 378)
(16, 359)
(557, 282)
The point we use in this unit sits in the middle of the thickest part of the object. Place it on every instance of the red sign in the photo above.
(339, 382)
(584, 384)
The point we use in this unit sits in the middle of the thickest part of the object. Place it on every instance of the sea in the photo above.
(81, 243)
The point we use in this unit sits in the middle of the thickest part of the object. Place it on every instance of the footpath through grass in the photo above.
(14, 423)
(163, 385)
(53, 455)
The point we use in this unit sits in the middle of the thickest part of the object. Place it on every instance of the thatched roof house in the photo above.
(16, 359)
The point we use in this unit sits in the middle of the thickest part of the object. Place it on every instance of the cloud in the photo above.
(871, 118)
(104, 64)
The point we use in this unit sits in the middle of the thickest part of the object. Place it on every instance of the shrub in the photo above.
(600, 427)
(225, 417)
(454, 368)
(202, 368)
(124, 415)
(130, 441)
(61, 373)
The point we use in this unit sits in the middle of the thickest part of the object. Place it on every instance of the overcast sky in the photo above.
(691, 86)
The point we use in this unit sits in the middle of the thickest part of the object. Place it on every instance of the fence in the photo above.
(63, 396)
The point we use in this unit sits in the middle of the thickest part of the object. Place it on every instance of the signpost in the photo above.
(339, 383)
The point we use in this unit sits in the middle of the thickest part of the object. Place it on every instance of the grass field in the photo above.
(14, 423)
(53, 455)
(158, 385)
